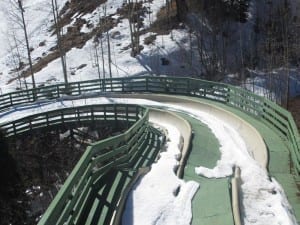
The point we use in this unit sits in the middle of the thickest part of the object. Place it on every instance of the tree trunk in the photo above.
(182, 9)
(27, 44)
(59, 41)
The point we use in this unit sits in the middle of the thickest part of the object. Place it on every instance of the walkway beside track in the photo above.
(280, 163)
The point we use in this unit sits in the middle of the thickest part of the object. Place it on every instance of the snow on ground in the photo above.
(264, 201)
(172, 203)
(38, 17)
(175, 47)
(39, 21)
(262, 83)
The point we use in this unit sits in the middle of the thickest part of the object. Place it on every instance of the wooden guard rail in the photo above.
(98, 158)
(103, 155)
(79, 115)
(273, 115)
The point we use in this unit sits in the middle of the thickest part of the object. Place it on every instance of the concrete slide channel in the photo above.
(186, 133)
(250, 135)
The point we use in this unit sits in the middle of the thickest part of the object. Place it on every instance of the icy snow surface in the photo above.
(264, 201)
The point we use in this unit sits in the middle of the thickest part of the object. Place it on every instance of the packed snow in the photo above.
(172, 46)
(172, 203)
(264, 201)
(176, 47)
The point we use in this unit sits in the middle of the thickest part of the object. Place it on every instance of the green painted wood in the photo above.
(212, 202)
(75, 190)
(279, 158)
(276, 118)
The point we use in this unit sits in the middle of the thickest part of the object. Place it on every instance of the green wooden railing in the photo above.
(102, 156)
(277, 118)
(98, 158)
(273, 115)
(81, 115)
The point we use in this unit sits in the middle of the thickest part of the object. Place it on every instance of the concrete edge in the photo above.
(235, 190)
(185, 132)
(253, 140)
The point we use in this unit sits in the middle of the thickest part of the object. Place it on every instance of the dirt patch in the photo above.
(167, 20)
(149, 40)
(74, 37)
(76, 6)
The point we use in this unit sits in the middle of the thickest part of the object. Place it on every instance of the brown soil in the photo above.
(166, 21)
(73, 37)
(76, 6)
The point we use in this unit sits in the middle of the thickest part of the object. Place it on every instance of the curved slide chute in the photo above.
(164, 107)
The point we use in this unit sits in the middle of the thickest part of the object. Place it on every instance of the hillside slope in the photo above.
(219, 39)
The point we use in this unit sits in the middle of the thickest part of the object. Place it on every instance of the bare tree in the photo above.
(96, 56)
(59, 34)
(278, 29)
(181, 9)
(20, 5)
(133, 19)
(108, 46)
(16, 57)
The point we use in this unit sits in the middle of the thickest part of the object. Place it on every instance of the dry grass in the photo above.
(166, 20)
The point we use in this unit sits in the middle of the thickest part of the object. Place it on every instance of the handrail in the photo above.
(96, 161)
(98, 158)
(65, 116)
(269, 112)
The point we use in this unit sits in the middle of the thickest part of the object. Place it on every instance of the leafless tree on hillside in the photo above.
(108, 46)
(59, 35)
(133, 19)
(16, 57)
(181, 9)
(21, 9)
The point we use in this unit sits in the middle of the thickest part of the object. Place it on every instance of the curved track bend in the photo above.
(180, 111)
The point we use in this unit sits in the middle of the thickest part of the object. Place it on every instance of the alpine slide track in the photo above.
(95, 192)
